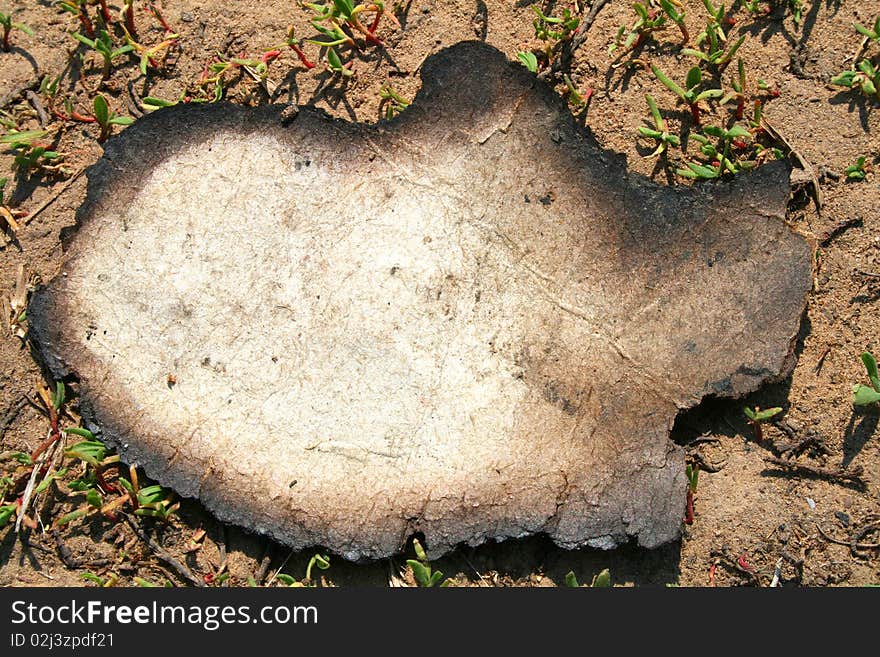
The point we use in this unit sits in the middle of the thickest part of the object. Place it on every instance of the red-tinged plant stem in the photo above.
(129, 19)
(375, 23)
(76, 116)
(695, 113)
(105, 12)
(158, 14)
(54, 435)
(5, 39)
(684, 32)
(740, 108)
(302, 56)
(689, 508)
(86, 22)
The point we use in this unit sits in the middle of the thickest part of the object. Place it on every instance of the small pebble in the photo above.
(811, 502)
(844, 518)
(187, 17)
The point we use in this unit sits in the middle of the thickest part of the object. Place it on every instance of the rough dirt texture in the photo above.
(477, 346)
(751, 515)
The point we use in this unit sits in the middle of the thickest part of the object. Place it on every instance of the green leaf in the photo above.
(571, 580)
(91, 577)
(102, 111)
(6, 513)
(703, 172)
(152, 101)
(762, 416)
(738, 131)
(140, 581)
(285, 579)
(421, 572)
(669, 84)
(421, 555)
(58, 397)
(867, 359)
(48, 479)
(25, 137)
(694, 78)
(24, 28)
(79, 431)
(121, 120)
(121, 51)
(84, 39)
(864, 31)
(93, 498)
(709, 93)
(602, 580)
(845, 79)
(528, 60)
(863, 395)
(695, 53)
(90, 451)
(70, 517)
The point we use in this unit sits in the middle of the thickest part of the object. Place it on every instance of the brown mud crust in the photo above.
(798, 507)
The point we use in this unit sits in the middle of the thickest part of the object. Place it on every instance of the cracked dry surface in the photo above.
(469, 321)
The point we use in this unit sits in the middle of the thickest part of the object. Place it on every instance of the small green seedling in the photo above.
(757, 417)
(345, 12)
(758, 7)
(602, 580)
(103, 45)
(528, 59)
(321, 561)
(717, 53)
(553, 30)
(714, 26)
(106, 119)
(393, 101)
(149, 56)
(650, 20)
(857, 171)
(719, 153)
(691, 94)
(575, 97)
(32, 156)
(153, 501)
(866, 79)
(660, 132)
(862, 394)
(8, 26)
(421, 569)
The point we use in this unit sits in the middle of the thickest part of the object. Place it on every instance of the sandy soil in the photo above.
(752, 516)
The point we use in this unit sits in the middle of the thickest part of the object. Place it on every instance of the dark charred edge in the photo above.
(126, 164)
